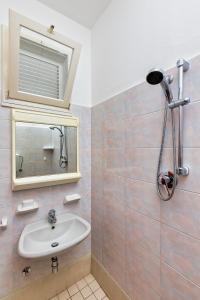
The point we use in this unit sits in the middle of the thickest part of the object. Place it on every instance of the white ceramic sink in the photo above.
(39, 239)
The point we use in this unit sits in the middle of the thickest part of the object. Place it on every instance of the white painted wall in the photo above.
(133, 36)
(37, 11)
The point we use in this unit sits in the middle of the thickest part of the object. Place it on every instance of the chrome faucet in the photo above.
(52, 217)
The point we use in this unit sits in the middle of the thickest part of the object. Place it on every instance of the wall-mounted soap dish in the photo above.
(4, 223)
(49, 148)
(71, 198)
(27, 206)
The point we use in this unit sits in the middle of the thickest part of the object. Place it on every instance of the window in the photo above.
(42, 64)
(39, 77)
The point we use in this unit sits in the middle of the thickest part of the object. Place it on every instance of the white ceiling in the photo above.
(85, 12)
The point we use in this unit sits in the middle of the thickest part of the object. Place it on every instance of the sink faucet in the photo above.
(52, 216)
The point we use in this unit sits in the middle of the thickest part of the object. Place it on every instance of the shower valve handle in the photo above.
(166, 179)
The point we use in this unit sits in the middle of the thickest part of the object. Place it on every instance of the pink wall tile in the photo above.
(192, 78)
(192, 160)
(5, 167)
(151, 132)
(126, 211)
(143, 231)
(5, 113)
(192, 125)
(143, 99)
(182, 212)
(11, 264)
(174, 286)
(141, 196)
(181, 252)
(142, 267)
(5, 134)
(138, 165)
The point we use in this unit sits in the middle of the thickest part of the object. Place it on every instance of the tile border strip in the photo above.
(106, 281)
(52, 284)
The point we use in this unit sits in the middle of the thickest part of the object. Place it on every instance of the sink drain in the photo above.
(55, 244)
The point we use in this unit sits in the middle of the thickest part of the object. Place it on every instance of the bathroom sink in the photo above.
(39, 239)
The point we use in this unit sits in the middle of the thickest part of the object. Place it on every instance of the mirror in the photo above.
(54, 150)
(45, 149)
(43, 63)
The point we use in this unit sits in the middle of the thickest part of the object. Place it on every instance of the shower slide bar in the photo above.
(183, 66)
(166, 180)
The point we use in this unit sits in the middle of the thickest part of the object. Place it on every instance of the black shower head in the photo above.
(155, 76)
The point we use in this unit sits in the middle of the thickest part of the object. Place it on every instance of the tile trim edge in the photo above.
(106, 281)
(52, 284)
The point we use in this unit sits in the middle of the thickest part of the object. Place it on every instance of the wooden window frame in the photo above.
(15, 23)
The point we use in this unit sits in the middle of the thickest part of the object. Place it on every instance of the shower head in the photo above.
(55, 127)
(157, 76)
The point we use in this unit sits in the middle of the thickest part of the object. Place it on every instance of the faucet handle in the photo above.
(52, 216)
(52, 212)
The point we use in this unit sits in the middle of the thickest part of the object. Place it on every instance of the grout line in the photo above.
(144, 214)
(147, 147)
(79, 290)
(149, 182)
(163, 222)
(181, 274)
(180, 231)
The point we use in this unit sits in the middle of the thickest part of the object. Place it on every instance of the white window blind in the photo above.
(37, 76)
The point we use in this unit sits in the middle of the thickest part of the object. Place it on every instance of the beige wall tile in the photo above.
(181, 252)
(48, 198)
(78, 296)
(55, 284)
(86, 292)
(99, 294)
(175, 286)
(81, 284)
(94, 285)
(64, 295)
(126, 212)
(89, 278)
(183, 212)
(72, 290)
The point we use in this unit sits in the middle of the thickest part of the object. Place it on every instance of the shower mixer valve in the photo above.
(167, 180)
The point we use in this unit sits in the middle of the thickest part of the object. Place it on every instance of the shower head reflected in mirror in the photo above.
(55, 127)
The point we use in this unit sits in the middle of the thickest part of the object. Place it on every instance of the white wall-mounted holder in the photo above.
(4, 223)
(71, 198)
(27, 206)
(49, 148)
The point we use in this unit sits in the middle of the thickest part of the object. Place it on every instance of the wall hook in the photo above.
(51, 29)
(26, 271)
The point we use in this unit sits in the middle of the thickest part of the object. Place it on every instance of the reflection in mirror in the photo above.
(43, 65)
(45, 149)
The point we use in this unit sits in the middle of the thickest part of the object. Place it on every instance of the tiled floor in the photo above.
(87, 288)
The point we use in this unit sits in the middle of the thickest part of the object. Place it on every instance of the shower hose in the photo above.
(160, 187)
